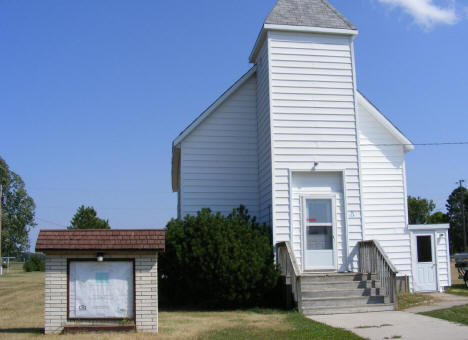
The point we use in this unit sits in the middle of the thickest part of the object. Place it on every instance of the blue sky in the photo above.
(93, 92)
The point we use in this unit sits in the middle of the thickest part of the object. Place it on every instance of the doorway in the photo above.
(319, 233)
(425, 278)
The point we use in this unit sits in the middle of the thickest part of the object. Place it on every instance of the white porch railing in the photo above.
(290, 269)
(373, 259)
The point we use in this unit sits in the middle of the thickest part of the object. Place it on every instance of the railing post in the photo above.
(372, 259)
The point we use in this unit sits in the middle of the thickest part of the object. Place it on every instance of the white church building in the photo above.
(296, 143)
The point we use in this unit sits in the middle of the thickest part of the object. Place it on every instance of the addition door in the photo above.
(426, 271)
(319, 234)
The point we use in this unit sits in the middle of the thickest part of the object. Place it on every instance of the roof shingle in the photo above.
(98, 239)
(311, 13)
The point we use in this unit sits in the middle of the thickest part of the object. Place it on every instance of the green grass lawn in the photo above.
(297, 327)
(460, 289)
(407, 300)
(22, 307)
(457, 314)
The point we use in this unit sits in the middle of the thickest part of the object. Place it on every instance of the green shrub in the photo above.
(216, 261)
(34, 264)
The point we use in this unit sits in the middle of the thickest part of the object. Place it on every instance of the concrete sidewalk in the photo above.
(395, 325)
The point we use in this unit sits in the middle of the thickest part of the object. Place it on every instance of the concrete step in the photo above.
(327, 292)
(343, 301)
(338, 277)
(348, 309)
(312, 286)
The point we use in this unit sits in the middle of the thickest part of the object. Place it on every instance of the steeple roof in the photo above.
(311, 13)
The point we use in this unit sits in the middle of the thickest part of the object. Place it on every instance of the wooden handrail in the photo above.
(290, 269)
(292, 257)
(374, 260)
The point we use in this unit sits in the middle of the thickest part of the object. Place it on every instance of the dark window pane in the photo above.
(424, 248)
(319, 238)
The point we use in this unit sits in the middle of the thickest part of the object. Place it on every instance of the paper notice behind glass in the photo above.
(101, 289)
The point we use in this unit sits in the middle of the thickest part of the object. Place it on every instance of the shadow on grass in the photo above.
(460, 286)
(22, 330)
(258, 310)
(458, 289)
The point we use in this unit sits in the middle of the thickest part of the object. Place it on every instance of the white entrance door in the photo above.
(319, 239)
(426, 275)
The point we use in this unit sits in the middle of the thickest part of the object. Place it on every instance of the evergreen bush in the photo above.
(214, 261)
(34, 264)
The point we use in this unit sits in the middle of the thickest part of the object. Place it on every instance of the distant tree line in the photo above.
(420, 211)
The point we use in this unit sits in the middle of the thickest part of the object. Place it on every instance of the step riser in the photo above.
(338, 278)
(349, 309)
(356, 301)
(341, 293)
(340, 285)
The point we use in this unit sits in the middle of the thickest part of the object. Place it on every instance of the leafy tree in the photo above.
(18, 212)
(217, 261)
(454, 212)
(86, 218)
(437, 218)
(419, 210)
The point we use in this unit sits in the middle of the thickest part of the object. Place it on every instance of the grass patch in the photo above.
(296, 327)
(407, 300)
(460, 289)
(457, 314)
(22, 308)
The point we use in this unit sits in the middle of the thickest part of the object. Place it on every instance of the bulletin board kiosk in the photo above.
(101, 280)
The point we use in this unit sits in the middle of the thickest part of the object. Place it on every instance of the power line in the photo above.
(52, 222)
(423, 144)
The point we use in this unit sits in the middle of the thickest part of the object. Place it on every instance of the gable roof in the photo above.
(385, 122)
(99, 239)
(214, 106)
(175, 162)
(312, 13)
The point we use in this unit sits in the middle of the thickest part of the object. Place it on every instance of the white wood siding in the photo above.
(264, 136)
(219, 163)
(313, 120)
(383, 191)
(443, 258)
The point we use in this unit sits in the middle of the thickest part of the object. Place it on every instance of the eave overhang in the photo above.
(299, 29)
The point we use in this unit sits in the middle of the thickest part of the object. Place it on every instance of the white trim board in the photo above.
(291, 28)
(385, 122)
(428, 227)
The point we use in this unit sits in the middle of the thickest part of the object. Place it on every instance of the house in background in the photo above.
(297, 143)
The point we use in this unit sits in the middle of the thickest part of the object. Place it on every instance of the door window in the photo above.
(424, 245)
(319, 226)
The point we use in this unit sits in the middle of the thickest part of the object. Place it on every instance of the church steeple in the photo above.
(310, 13)
(312, 16)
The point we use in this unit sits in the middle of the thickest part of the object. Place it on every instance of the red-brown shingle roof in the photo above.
(99, 239)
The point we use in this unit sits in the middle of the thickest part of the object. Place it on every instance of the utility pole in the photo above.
(460, 182)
